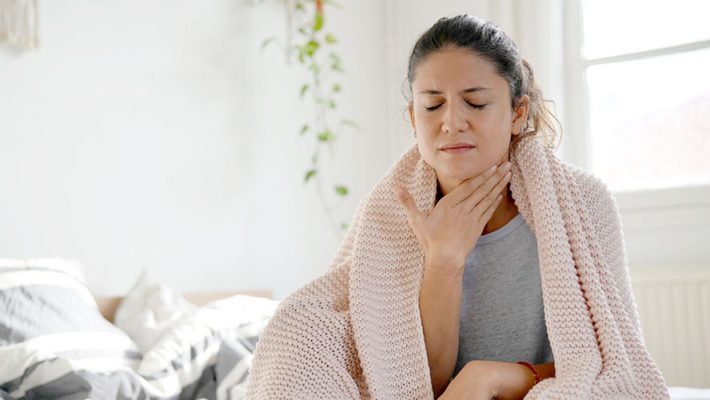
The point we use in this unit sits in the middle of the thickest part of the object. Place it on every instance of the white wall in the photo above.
(156, 135)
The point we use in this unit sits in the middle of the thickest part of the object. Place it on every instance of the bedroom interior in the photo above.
(153, 206)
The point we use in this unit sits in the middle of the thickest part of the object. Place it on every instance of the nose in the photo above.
(454, 119)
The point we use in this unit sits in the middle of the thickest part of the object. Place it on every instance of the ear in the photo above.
(410, 108)
(520, 114)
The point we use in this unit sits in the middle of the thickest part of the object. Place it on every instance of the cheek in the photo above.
(496, 137)
(426, 145)
(497, 124)
(492, 120)
(423, 118)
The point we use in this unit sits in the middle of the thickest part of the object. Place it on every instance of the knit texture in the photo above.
(355, 332)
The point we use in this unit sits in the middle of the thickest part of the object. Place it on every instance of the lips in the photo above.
(453, 146)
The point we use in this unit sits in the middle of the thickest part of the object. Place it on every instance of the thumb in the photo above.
(407, 201)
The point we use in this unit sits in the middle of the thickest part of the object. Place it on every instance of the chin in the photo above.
(458, 176)
(463, 171)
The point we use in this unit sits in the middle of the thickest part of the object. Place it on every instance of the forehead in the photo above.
(456, 68)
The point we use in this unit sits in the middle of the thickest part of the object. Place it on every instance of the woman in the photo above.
(478, 255)
(470, 101)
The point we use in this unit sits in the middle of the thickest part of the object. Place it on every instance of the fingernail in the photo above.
(493, 168)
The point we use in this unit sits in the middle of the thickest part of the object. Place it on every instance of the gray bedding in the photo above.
(54, 344)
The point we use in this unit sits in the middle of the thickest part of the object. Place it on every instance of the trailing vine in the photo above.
(312, 47)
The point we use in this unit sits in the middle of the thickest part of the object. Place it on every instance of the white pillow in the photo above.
(149, 310)
(184, 345)
(190, 350)
(72, 268)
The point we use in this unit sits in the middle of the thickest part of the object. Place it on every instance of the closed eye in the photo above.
(476, 106)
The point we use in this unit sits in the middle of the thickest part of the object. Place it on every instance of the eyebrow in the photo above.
(469, 90)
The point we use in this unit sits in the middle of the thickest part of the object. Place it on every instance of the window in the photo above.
(643, 75)
(636, 96)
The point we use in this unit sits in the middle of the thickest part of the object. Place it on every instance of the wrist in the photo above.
(512, 381)
(444, 269)
(535, 376)
(486, 373)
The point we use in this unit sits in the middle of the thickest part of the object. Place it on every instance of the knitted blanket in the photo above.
(356, 332)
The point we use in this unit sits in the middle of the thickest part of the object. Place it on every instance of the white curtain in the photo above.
(18, 23)
(537, 28)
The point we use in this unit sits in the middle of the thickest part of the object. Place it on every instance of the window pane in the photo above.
(650, 125)
(614, 27)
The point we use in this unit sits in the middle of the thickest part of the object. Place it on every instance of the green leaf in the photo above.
(330, 39)
(341, 190)
(335, 62)
(344, 226)
(311, 47)
(332, 3)
(330, 103)
(349, 123)
(326, 136)
(336, 88)
(310, 174)
(267, 42)
(304, 129)
(300, 7)
(318, 22)
(304, 89)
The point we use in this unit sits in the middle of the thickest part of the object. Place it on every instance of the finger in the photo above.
(467, 187)
(491, 197)
(486, 216)
(493, 184)
(407, 201)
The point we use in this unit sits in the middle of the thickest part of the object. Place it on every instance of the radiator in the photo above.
(674, 308)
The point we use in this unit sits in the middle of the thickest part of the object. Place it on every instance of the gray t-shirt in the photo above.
(502, 316)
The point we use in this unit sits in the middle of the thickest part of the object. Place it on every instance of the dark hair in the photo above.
(486, 39)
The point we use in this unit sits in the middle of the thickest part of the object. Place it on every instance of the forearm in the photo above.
(440, 307)
(515, 380)
(546, 370)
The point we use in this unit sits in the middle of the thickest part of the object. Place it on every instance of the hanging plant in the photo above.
(312, 48)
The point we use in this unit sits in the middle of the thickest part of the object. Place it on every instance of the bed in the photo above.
(684, 393)
(108, 305)
(59, 341)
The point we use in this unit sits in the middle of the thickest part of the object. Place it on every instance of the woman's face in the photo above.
(458, 97)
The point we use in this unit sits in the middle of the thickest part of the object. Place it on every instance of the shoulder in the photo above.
(591, 191)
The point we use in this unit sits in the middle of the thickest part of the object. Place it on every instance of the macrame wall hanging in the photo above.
(18, 23)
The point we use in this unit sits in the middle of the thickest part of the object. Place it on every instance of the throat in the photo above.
(506, 211)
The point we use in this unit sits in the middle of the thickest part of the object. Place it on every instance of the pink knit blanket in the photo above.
(356, 332)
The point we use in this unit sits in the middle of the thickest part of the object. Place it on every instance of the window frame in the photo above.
(577, 118)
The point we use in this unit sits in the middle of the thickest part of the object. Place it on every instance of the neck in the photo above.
(504, 213)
